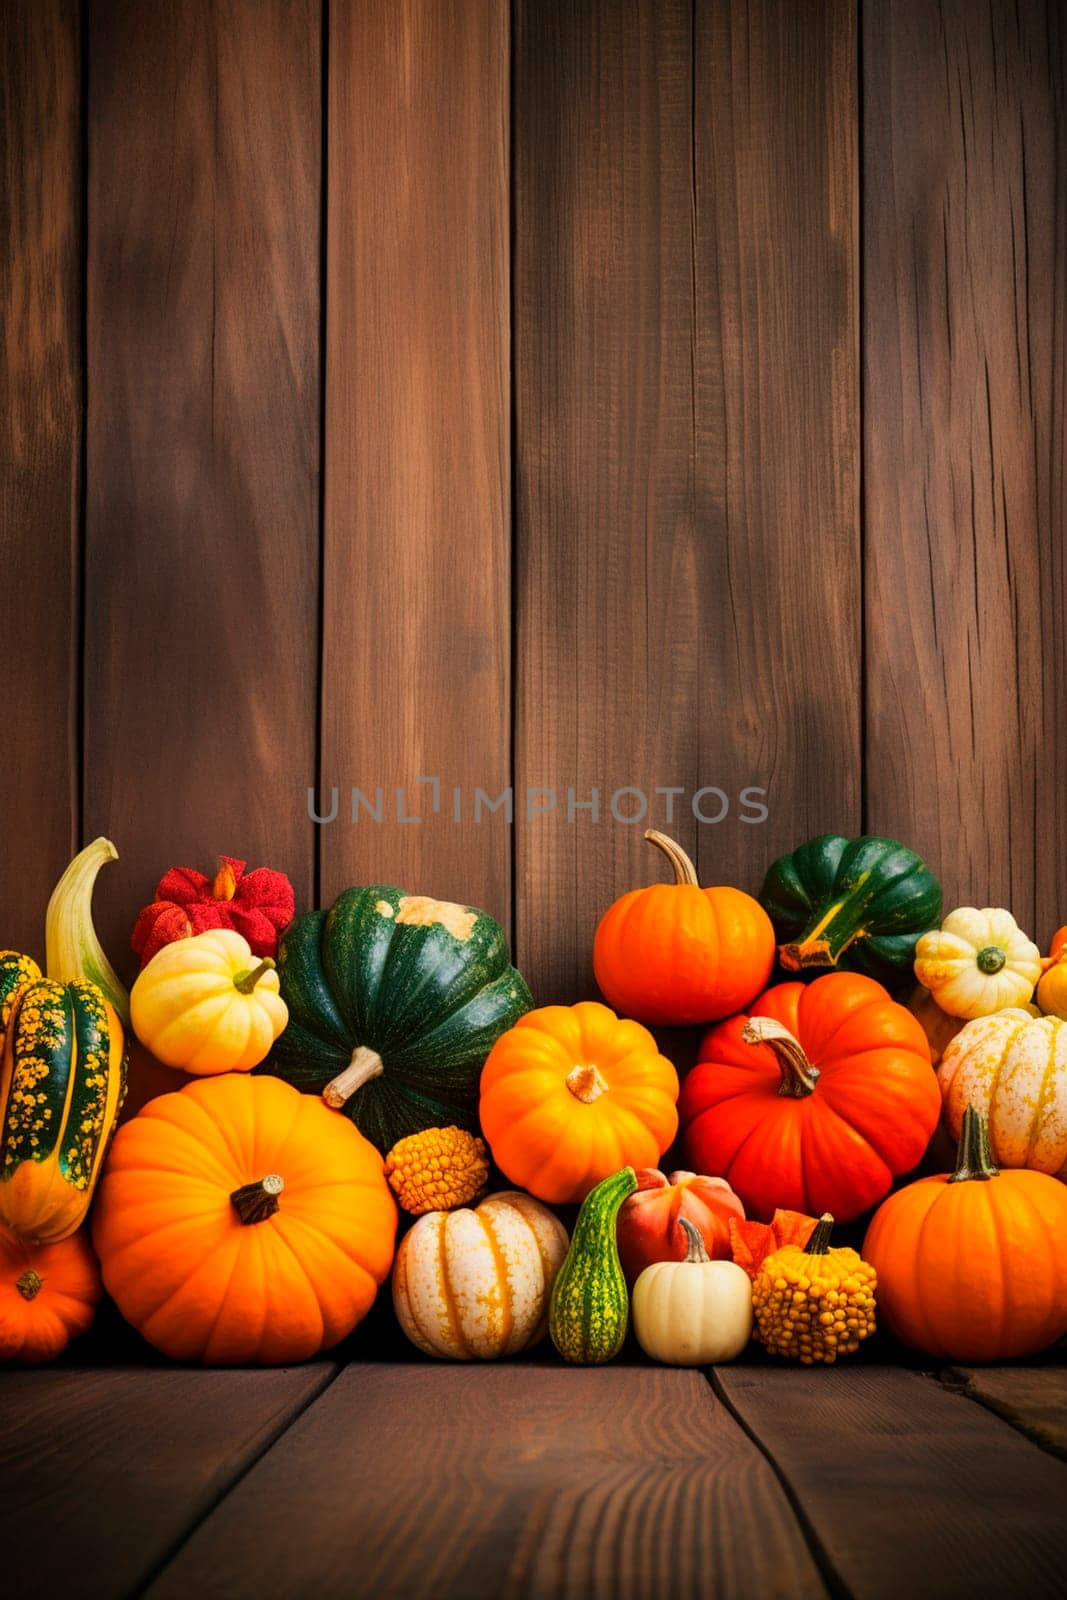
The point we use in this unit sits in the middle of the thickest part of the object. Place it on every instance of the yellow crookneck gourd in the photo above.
(62, 1063)
(814, 1304)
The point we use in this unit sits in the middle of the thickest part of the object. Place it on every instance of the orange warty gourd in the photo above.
(572, 1093)
(816, 1101)
(677, 953)
(48, 1295)
(242, 1222)
(970, 1264)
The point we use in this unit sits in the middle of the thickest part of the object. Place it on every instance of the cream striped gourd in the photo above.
(473, 1285)
(590, 1303)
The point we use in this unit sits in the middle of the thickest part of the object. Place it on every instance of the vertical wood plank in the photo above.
(416, 623)
(686, 340)
(40, 465)
(965, 234)
(778, 444)
(609, 589)
(203, 440)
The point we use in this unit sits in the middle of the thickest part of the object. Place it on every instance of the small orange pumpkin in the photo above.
(970, 1264)
(677, 953)
(242, 1222)
(48, 1295)
(572, 1093)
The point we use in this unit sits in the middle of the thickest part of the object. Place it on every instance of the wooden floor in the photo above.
(362, 1477)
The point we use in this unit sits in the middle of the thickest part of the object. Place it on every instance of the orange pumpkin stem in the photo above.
(975, 1158)
(255, 1202)
(245, 982)
(799, 1077)
(363, 1065)
(586, 1084)
(684, 870)
(29, 1285)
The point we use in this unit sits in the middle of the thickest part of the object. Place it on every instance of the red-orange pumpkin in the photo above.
(814, 1102)
(48, 1295)
(676, 953)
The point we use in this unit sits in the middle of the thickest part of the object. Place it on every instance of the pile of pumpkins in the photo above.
(383, 1057)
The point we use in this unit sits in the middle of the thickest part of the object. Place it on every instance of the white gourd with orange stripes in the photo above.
(1012, 1067)
(473, 1285)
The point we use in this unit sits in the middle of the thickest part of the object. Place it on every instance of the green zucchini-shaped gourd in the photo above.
(859, 905)
(590, 1302)
(395, 1000)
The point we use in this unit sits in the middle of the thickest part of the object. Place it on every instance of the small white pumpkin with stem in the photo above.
(978, 963)
(692, 1312)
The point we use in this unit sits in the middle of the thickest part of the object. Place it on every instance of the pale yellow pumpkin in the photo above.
(208, 1005)
(978, 962)
(473, 1285)
(692, 1312)
(1012, 1067)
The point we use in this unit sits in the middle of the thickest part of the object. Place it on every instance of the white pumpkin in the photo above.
(1012, 1067)
(473, 1285)
(692, 1312)
(978, 962)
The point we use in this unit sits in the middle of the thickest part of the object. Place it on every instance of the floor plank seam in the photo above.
(177, 1545)
(958, 1383)
(836, 1586)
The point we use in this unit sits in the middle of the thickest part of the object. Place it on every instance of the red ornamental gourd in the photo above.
(259, 905)
(814, 1102)
(650, 1227)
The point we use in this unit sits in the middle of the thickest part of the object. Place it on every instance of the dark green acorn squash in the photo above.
(853, 904)
(395, 1000)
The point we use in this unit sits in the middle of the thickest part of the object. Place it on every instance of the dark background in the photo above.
(566, 394)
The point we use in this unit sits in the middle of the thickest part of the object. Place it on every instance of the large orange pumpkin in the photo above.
(570, 1094)
(48, 1295)
(676, 953)
(970, 1264)
(816, 1101)
(241, 1222)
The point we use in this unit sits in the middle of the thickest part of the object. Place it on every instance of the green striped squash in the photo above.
(62, 1083)
(395, 1000)
(590, 1302)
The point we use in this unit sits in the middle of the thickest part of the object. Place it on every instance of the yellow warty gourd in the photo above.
(437, 1170)
(814, 1304)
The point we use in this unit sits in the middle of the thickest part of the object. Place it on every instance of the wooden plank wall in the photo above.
(620, 395)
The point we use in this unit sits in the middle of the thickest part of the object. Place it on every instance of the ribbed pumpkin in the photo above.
(240, 1222)
(475, 1285)
(572, 1093)
(62, 1083)
(978, 962)
(48, 1295)
(207, 1004)
(395, 1000)
(816, 1101)
(971, 1264)
(650, 1222)
(855, 904)
(1012, 1067)
(676, 953)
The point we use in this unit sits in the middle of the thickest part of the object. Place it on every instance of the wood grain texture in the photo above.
(778, 443)
(505, 1481)
(906, 1487)
(1033, 1399)
(416, 646)
(609, 567)
(203, 442)
(40, 462)
(126, 1460)
(965, 375)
